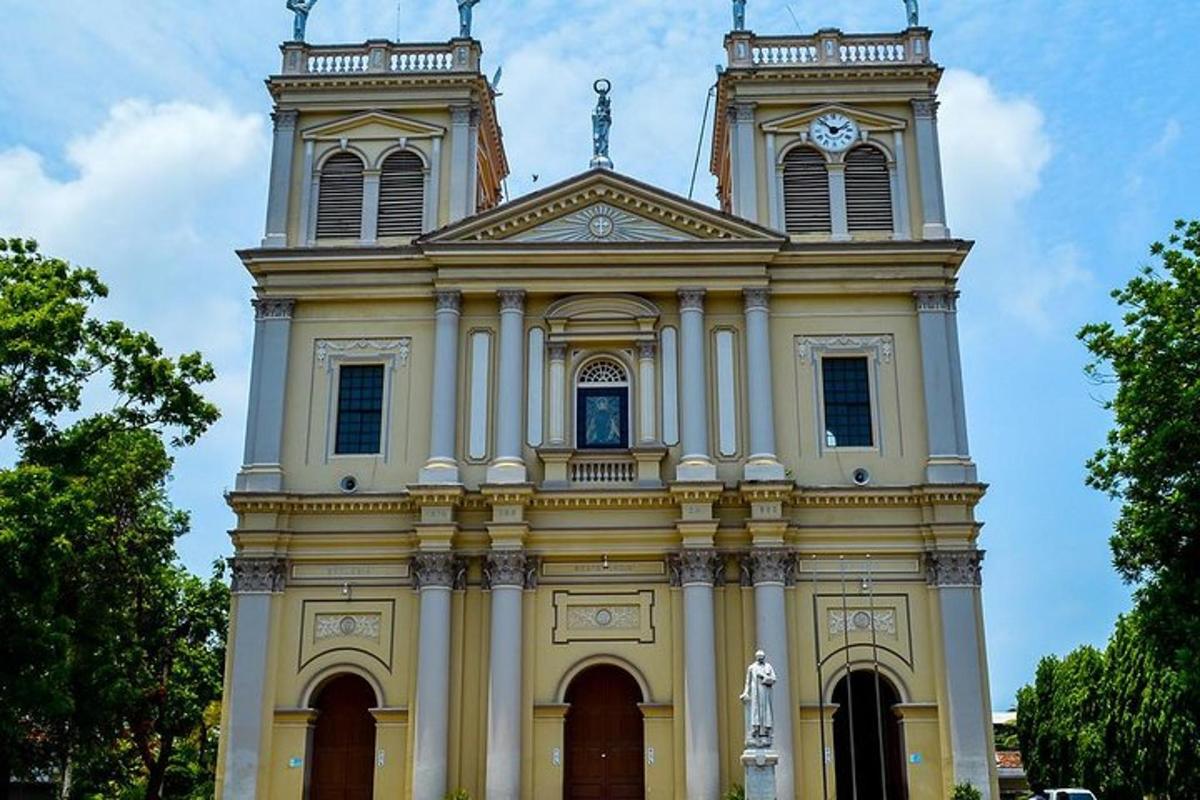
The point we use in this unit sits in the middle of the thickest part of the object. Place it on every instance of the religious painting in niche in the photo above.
(603, 415)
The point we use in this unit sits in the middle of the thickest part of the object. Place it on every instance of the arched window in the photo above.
(402, 195)
(805, 191)
(868, 748)
(340, 203)
(602, 405)
(868, 190)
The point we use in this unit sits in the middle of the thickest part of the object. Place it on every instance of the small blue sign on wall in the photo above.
(294, 762)
(914, 758)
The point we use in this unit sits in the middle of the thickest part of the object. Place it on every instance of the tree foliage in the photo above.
(113, 652)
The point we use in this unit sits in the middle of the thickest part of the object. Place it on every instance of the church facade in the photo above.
(526, 484)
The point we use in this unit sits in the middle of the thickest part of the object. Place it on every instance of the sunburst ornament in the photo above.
(602, 223)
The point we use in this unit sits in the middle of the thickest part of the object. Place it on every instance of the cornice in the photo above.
(272, 503)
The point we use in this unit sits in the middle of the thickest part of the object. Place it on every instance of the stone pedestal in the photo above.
(759, 764)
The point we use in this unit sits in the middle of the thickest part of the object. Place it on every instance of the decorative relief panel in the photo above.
(363, 626)
(602, 223)
(854, 620)
(809, 347)
(600, 617)
(399, 349)
(848, 620)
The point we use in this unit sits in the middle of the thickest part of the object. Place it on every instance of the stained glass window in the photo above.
(360, 409)
(847, 401)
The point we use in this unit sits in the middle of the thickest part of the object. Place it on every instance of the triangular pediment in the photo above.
(374, 125)
(867, 120)
(598, 207)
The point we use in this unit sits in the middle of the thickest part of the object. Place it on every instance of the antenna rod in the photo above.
(700, 144)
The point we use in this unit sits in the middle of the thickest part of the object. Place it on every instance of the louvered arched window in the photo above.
(868, 190)
(805, 192)
(339, 208)
(402, 195)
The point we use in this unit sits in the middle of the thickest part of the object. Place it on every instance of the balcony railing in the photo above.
(380, 57)
(603, 470)
(829, 48)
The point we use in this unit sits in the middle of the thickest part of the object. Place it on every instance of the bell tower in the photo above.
(375, 144)
(831, 136)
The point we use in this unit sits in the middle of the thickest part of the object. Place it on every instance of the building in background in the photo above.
(527, 483)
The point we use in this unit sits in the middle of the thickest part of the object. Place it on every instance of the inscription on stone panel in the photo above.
(566, 569)
(340, 572)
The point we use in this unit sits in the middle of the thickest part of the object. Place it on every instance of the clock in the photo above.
(833, 132)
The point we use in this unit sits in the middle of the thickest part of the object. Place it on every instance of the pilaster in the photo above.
(279, 193)
(696, 463)
(262, 467)
(941, 369)
(509, 465)
(762, 464)
(929, 166)
(442, 466)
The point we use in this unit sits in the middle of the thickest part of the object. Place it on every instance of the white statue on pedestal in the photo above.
(760, 718)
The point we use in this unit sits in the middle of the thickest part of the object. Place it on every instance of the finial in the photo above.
(300, 8)
(601, 124)
(739, 15)
(464, 17)
(914, 13)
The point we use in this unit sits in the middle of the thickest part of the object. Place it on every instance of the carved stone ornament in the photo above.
(941, 300)
(557, 351)
(449, 300)
(699, 565)
(511, 300)
(925, 108)
(954, 568)
(647, 350)
(757, 299)
(273, 308)
(347, 626)
(602, 222)
(438, 570)
(691, 299)
(400, 348)
(506, 568)
(285, 119)
(808, 347)
(770, 566)
(258, 575)
(857, 620)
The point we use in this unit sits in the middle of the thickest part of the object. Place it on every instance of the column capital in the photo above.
(925, 107)
(461, 114)
(273, 307)
(285, 118)
(258, 575)
(438, 570)
(449, 300)
(742, 111)
(691, 299)
(950, 568)
(511, 300)
(769, 565)
(758, 298)
(510, 568)
(945, 300)
(557, 351)
(701, 565)
(647, 350)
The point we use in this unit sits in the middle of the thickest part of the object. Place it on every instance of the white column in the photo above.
(647, 396)
(442, 466)
(506, 576)
(460, 134)
(370, 206)
(763, 464)
(308, 193)
(282, 150)
(696, 463)
(558, 394)
(839, 223)
(941, 370)
(929, 164)
(745, 166)
(770, 570)
(433, 574)
(509, 464)
(774, 185)
(262, 462)
(433, 182)
(255, 580)
(695, 572)
(956, 578)
(903, 226)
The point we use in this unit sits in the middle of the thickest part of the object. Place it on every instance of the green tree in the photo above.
(109, 643)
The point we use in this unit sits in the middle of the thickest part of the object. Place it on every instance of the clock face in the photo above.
(833, 132)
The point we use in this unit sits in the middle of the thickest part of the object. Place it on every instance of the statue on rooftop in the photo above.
(760, 717)
(739, 15)
(601, 124)
(914, 13)
(464, 17)
(300, 8)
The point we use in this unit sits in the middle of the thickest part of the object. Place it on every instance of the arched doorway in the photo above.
(867, 764)
(343, 750)
(604, 739)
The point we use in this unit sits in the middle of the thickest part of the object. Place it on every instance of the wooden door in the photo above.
(343, 757)
(604, 740)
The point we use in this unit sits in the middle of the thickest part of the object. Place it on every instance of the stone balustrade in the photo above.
(380, 57)
(829, 48)
(603, 470)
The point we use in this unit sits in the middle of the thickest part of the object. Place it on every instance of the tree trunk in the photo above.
(5, 773)
(158, 771)
(68, 778)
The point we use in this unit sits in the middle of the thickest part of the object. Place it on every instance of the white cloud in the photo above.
(994, 151)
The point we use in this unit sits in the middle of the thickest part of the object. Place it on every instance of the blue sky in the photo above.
(134, 139)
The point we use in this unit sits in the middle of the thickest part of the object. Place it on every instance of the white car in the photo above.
(1065, 794)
